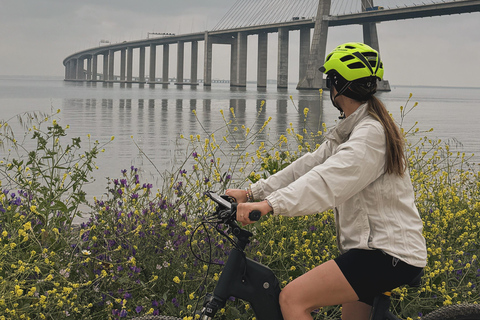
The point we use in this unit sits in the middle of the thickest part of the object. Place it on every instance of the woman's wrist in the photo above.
(249, 194)
(270, 205)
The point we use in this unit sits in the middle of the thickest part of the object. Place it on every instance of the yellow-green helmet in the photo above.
(353, 61)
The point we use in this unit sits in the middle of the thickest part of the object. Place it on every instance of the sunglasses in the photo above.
(329, 82)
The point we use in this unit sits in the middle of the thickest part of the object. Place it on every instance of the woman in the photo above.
(361, 172)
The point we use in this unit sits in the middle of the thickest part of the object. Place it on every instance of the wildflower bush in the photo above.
(145, 251)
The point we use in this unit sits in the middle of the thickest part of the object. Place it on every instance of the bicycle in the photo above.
(248, 280)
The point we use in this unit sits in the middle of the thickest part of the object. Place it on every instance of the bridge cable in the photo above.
(221, 24)
(263, 10)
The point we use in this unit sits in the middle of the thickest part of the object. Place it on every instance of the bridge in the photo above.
(259, 18)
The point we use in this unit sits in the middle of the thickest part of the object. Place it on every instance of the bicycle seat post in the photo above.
(381, 305)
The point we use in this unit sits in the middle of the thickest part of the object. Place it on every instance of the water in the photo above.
(155, 118)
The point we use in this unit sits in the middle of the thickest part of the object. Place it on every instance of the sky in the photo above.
(36, 35)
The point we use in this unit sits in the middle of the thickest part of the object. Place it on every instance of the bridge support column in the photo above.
(166, 61)
(194, 64)
(180, 61)
(282, 67)
(314, 78)
(234, 63)
(80, 70)
(105, 68)
(141, 71)
(129, 67)
(95, 68)
(153, 65)
(370, 36)
(123, 62)
(262, 60)
(71, 69)
(111, 67)
(207, 56)
(242, 59)
(89, 69)
(304, 51)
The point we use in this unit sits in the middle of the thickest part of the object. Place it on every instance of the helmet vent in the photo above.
(350, 47)
(346, 58)
(356, 65)
(369, 54)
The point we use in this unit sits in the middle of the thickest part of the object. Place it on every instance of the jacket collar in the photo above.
(341, 132)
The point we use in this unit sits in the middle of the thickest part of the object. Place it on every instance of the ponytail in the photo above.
(395, 157)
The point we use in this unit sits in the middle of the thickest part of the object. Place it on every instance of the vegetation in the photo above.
(133, 255)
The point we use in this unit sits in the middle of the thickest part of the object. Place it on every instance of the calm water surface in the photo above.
(157, 117)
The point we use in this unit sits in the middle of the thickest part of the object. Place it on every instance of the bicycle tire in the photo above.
(150, 317)
(455, 312)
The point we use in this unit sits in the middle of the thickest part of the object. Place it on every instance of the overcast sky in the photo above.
(36, 35)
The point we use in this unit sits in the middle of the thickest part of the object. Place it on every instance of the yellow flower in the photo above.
(176, 279)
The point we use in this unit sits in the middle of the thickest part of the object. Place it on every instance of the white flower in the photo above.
(86, 252)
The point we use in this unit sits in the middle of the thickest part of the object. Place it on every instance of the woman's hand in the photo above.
(239, 195)
(244, 209)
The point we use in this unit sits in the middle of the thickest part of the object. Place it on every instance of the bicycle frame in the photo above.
(250, 281)
(254, 282)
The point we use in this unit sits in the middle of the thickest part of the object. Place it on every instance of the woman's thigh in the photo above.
(322, 286)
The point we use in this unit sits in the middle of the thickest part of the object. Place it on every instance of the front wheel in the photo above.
(455, 312)
(150, 317)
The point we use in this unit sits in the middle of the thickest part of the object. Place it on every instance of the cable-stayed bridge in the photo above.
(255, 18)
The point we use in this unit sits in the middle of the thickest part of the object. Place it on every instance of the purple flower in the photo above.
(195, 155)
(123, 313)
(147, 186)
(175, 302)
(127, 296)
(139, 309)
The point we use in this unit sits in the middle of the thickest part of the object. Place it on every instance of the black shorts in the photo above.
(372, 272)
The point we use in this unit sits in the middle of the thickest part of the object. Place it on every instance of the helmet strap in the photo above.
(339, 93)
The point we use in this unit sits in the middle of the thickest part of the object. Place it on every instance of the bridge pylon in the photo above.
(313, 78)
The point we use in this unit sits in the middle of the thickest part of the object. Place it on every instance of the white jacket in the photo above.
(373, 209)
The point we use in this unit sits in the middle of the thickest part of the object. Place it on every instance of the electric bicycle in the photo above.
(255, 283)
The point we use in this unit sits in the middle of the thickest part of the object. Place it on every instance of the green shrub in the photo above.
(145, 251)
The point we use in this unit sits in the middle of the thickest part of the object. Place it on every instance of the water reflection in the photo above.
(147, 130)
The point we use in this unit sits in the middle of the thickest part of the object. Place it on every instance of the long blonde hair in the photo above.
(395, 157)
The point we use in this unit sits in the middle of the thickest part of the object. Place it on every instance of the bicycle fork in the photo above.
(250, 281)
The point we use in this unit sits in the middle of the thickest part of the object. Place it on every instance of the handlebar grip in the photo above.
(254, 215)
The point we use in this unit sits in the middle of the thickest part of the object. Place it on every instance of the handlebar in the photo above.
(227, 209)
(226, 212)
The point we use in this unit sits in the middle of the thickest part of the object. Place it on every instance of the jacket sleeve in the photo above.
(355, 164)
(295, 170)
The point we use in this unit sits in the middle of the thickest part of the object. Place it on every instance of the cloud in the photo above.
(37, 35)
